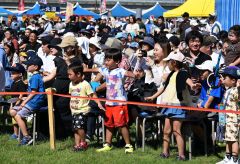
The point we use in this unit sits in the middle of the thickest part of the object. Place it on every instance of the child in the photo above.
(32, 102)
(210, 97)
(116, 114)
(79, 107)
(233, 51)
(17, 73)
(178, 95)
(230, 102)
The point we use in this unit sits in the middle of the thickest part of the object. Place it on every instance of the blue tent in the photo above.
(228, 12)
(119, 11)
(35, 10)
(78, 10)
(4, 12)
(157, 10)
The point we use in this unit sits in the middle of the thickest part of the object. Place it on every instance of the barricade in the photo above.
(50, 93)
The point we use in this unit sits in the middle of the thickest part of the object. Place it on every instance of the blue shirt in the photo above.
(36, 83)
(206, 91)
(5, 63)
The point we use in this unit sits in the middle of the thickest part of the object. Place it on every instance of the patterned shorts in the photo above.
(232, 132)
(79, 121)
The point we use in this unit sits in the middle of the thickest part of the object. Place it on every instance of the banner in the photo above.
(69, 10)
(103, 6)
(21, 5)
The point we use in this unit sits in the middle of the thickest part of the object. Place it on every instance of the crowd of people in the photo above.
(175, 62)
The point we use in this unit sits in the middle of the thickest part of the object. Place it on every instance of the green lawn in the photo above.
(41, 153)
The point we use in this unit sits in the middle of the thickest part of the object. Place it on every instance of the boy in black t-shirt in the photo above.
(17, 73)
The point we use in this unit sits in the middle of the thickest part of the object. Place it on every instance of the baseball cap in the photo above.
(175, 55)
(112, 43)
(16, 68)
(121, 35)
(147, 40)
(233, 71)
(46, 40)
(68, 41)
(54, 44)
(34, 60)
(206, 65)
(94, 41)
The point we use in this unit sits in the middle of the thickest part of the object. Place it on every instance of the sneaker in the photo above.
(224, 161)
(26, 140)
(106, 147)
(89, 139)
(76, 148)
(232, 161)
(163, 155)
(128, 148)
(14, 137)
(181, 158)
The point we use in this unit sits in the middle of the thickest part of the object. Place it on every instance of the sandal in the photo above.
(163, 155)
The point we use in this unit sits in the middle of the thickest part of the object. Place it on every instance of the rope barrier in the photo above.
(128, 102)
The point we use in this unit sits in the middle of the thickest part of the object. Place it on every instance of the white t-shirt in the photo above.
(215, 56)
(115, 85)
(132, 28)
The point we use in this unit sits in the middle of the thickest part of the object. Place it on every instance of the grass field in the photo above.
(10, 152)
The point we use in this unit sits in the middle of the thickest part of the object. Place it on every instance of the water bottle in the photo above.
(221, 116)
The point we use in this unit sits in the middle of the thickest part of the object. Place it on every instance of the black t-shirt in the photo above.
(202, 57)
(33, 47)
(18, 86)
(61, 68)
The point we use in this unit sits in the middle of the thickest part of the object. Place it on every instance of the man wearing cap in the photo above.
(47, 26)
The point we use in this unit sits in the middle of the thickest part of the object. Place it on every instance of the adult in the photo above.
(15, 25)
(2, 79)
(48, 64)
(61, 83)
(47, 26)
(194, 56)
(160, 23)
(132, 26)
(11, 38)
(33, 44)
(10, 53)
(184, 25)
(159, 70)
(71, 51)
(213, 26)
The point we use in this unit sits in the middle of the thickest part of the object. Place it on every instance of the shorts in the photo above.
(116, 116)
(232, 132)
(24, 112)
(79, 121)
